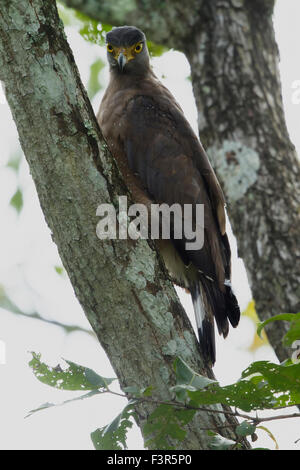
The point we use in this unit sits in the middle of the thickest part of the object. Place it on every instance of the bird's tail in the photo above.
(205, 323)
(210, 302)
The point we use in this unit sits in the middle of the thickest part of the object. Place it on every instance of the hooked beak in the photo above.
(122, 60)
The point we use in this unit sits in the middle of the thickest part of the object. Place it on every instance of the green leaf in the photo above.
(187, 376)
(59, 270)
(66, 15)
(187, 380)
(156, 50)
(113, 436)
(133, 391)
(147, 392)
(263, 385)
(17, 200)
(51, 405)
(294, 331)
(217, 442)
(75, 377)
(7, 304)
(138, 392)
(94, 379)
(94, 84)
(245, 429)
(283, 316)
(91, 30)
(166, 422)
(15, 161)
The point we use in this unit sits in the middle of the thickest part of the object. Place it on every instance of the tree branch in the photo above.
(254, 419)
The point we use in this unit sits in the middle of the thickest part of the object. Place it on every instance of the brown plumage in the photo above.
(163, 161)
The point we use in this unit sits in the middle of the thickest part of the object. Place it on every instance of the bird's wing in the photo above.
(163, 150)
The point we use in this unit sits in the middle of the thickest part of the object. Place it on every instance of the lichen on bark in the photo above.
(73, 173)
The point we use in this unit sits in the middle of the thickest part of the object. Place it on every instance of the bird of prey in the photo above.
(163, 161)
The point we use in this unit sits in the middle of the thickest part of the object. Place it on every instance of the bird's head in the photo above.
(127, 50)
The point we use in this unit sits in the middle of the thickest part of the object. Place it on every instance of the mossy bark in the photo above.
(231, 47)
(121, 285)
(242, 125)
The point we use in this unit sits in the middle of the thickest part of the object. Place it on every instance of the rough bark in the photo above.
(231, 48)
(121, 285)
(242, 124)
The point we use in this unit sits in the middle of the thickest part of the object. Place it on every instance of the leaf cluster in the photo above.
(263, 385)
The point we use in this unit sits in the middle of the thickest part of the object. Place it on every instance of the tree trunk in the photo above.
(231, 48)
(242, 125)
(121, 285)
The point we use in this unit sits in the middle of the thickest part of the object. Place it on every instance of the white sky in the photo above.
(28, 257)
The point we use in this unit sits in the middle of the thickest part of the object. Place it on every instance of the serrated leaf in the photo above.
(187, 376)
(263, 385)
(279, 378)
(113, 436)
(187, 380)
(94, 379)
(75, 377)
(17, 200)
(164, 423)
(245, 429)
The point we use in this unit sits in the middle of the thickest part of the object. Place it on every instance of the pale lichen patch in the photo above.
(170, 348)
(141, 266)
(164, 373)
(180, 347)
(237, 166)
(157, 308)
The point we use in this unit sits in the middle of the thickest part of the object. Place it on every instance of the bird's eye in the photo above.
(109, 48)
(138, 48)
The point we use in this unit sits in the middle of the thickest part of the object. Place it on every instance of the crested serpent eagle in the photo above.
(163, 161)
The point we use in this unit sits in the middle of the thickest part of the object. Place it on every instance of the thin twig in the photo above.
(254, 419)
